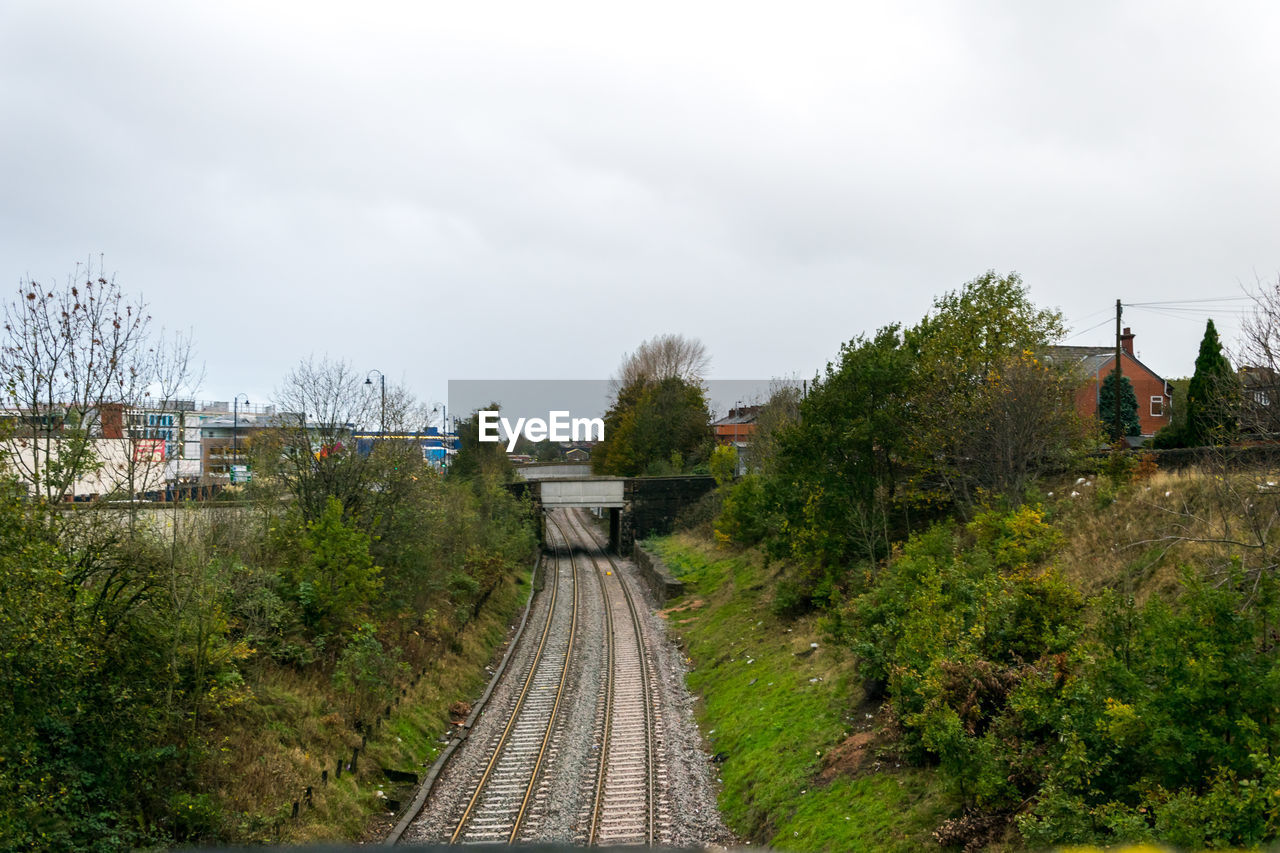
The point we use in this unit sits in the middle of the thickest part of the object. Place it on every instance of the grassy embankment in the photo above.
(801, 767)
(279, 742)
(804, 766)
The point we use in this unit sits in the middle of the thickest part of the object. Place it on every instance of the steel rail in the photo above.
(520, 703)
(428, 784)
(647, 697)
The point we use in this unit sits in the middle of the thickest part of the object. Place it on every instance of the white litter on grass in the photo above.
(1081, 480)
(1075, 494)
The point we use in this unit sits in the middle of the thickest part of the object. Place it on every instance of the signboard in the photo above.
(240, 474)
(148, 450)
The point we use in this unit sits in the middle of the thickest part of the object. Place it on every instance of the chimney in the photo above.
(1126, 341)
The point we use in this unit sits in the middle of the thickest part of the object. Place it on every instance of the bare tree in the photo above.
(1258, 354)
(781, 410)
(73, 357)
(663, 357)
(312, 451)
(1022, 422)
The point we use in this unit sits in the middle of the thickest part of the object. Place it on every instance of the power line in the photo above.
(1172, 303)
(1090, 329)
(1193, 313)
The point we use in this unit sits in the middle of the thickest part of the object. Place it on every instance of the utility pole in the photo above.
(1117, 430)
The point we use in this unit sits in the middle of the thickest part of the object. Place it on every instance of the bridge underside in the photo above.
(605, 492)
(637, 507)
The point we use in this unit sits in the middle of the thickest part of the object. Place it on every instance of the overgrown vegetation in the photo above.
(786, 723)
(130, 693)
(1081, 650)
(183, 673)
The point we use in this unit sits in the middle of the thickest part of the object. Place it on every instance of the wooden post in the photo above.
(1117, 429)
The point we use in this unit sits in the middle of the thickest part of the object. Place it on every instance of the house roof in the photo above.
(744, 415)
(1092, 359)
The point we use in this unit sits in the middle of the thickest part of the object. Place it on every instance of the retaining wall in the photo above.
(656, 575)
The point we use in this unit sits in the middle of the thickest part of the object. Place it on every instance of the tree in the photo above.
(71, 355)
(662, 357)
(654, 428)
(1259, 356)
(311, 449)
(658, 421)
(335, 578)
(974, 335)
(1213, 397)
(724, 465)
(480, 460)
(1025, 423)
(547, 450)
(839, 465)
(1128, 405)
(780, 410)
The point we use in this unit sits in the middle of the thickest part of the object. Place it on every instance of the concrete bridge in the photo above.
(638, 506)
(554, 471)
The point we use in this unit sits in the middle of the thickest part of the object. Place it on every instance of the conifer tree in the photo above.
(1213, 396)
(1128, 406)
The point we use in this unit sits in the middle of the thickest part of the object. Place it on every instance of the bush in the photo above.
(366, 674)
(743, 517)
(1151, 723)
(335, 579)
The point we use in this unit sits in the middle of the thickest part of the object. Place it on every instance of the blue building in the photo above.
(437, 448)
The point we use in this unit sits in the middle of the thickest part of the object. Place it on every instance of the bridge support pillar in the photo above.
(622, 531)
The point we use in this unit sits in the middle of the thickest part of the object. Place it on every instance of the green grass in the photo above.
(410, 739)
(774, 707)
(290, 732)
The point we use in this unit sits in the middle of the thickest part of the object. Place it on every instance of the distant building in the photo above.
(438, 449)
(226, 437)
(1155, 395)
(120, 468)
(737, 427)
(1260, 387)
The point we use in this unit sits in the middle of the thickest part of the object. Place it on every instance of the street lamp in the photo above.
(368, 380)
(235, 434)
(443, 411)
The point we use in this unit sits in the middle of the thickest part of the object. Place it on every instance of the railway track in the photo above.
(501, 797)
(612, 784)
(625, 798)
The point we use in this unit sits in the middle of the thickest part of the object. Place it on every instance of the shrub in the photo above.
(335, 579)
(366, 673)
(743, 518)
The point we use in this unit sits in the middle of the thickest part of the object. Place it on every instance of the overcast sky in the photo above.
(528, 190)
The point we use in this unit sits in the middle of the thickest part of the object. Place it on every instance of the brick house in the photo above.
(1155, 395)
(737, 427)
